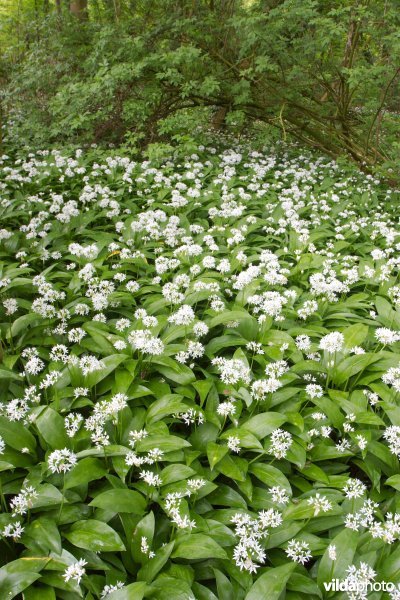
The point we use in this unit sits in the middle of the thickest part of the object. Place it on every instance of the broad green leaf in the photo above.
(167, 405)
(133, 591)
(345, 543)
(120, 501)
(171, 587)
(264, 423)
(354, 335)
(94, 535)
(45, 535)
(196, 546)
(51, 427)
(167, 443)
(16, 435)
(154, 565)
(110, 364)
(177, 472)
(39, 593)
(271, 584)
(145, 528)
(215, 453)
(270, 475)
(394, 482)
(86, 470)
(352, 365)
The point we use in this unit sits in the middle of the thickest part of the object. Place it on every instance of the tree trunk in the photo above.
(218, 120)
(79, 9)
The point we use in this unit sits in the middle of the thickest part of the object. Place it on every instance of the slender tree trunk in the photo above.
(79, 8)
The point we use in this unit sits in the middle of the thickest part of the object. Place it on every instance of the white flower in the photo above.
(299, 551)
(200, 329)
(72, 422)
(280, 443)
(61, 461)
(354, 488)
(232, 370)
(21, 503)
(392, 377)
(11, 306)
(150, 478)
(261, 388)
(279, 495)
(143, 340)
(314, 391)
(249, 552)
(309, 307)
(145, 548)
(76, 335)
(75, 571)
(333, 342)
(108, 589)
(226, 409)
(194, 485)
(89, 364)
(319, 503)
(233, 443)
(303, 342)
(332, 551)
(184, 316)
(392, 436)
(386, 336)
(13, 530)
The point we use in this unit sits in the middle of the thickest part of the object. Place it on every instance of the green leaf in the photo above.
(224, 586)
(232, 468)
(167, 405)
(346, 544)
(133, 591)
(173, 473)
(215, 453)
(394, 482)
(39, 593)
(6, 374)
(155, 564)
(270, 475)
(145, 528)
(120, 501)
(263, 424)
(390, 569)
(171, 587)
(354, 335)
(196, 546)
(94, 535)
(16, 435)
(166, 443)
(352, 365)
(51, 427)
(271, 584)
(19, 574)
(87, 469)
(13, 584)
(304, 585)
(110, 364)
(173, 370)
(45, 534)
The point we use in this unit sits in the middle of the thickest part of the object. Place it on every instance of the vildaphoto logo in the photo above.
(344, 585)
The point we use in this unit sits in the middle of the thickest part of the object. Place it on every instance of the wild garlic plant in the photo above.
(200, 363)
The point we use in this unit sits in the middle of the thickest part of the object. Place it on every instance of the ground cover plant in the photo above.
(200, 374)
